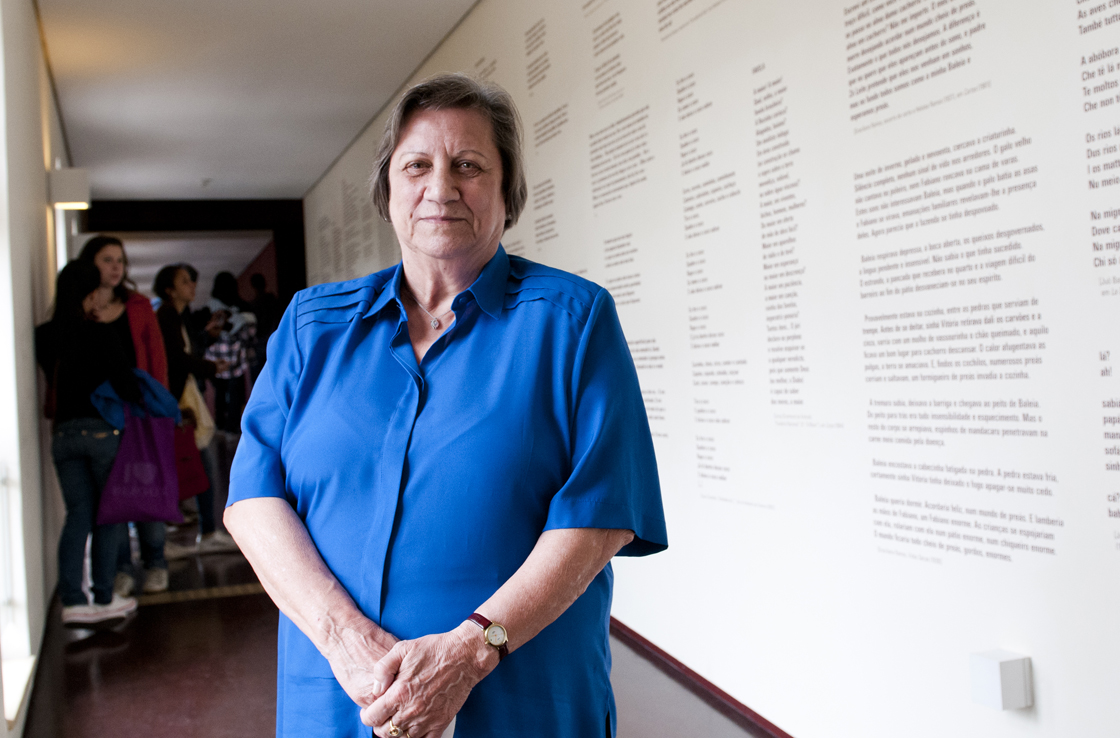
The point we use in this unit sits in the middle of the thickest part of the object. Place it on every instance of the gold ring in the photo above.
(393, 730)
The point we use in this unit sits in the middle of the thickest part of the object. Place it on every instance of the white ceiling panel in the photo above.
(210, 99)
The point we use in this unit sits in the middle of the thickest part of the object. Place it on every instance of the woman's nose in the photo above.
(442, 186)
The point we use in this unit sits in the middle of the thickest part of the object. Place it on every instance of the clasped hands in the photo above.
(419, 685)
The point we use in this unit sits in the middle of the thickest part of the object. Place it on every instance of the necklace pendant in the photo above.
(435, 323)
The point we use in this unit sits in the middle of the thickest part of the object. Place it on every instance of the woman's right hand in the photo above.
(356, 648)
(276, 542)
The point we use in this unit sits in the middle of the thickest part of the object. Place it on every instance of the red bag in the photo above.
(188, 463)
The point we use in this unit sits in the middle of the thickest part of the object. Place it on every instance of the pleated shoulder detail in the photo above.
(339, 302)
(529, 281)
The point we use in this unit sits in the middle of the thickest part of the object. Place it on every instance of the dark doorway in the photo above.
(283, 217)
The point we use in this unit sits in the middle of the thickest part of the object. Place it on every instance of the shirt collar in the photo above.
(391, 292)
(488, 290)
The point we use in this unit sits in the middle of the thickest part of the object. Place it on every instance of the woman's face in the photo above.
(110, 262)
(445, 185)
(182, 288)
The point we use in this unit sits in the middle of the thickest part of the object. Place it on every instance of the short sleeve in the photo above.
(613, 482)
(258, 470)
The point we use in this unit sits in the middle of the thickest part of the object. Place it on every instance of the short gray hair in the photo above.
(451, 92)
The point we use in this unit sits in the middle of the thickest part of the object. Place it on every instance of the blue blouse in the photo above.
(426, 486)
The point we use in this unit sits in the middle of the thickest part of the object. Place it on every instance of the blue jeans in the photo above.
(152, 537)
(83, 450)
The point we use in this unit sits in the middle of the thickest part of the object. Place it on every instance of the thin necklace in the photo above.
(435, 320)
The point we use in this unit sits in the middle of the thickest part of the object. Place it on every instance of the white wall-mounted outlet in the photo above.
(1001, 680)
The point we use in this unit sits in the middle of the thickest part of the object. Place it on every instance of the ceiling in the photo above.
(216, 99)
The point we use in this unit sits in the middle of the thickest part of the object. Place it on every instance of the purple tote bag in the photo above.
(143, 484)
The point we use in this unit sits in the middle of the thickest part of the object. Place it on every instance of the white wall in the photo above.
(31, 136)
(856, 348)
(45, 269)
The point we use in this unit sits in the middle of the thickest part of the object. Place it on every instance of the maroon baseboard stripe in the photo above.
(727, 705)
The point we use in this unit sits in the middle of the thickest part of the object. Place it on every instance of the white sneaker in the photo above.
(123, 584)
(172, 551)
(217, 542)
(99, 616)
(155, 580)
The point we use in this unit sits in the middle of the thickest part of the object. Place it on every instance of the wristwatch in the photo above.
(493, 633)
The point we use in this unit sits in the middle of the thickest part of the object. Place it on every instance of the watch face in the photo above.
(496, 635)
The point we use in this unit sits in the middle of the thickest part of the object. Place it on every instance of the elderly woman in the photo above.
(440, 459)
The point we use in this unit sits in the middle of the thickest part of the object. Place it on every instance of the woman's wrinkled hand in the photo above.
(353, 657)
(428, 680)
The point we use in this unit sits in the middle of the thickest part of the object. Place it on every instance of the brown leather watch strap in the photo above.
(484, 623)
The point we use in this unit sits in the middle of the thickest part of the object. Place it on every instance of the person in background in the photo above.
(78, 354)
(130, 316)
(232, 346)
(228, 293)
(202, 327)
(175, 287)
(266, 306)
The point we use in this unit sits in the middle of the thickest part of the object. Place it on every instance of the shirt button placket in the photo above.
(394, 451)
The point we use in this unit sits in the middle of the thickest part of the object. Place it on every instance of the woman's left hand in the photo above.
(430, 678)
